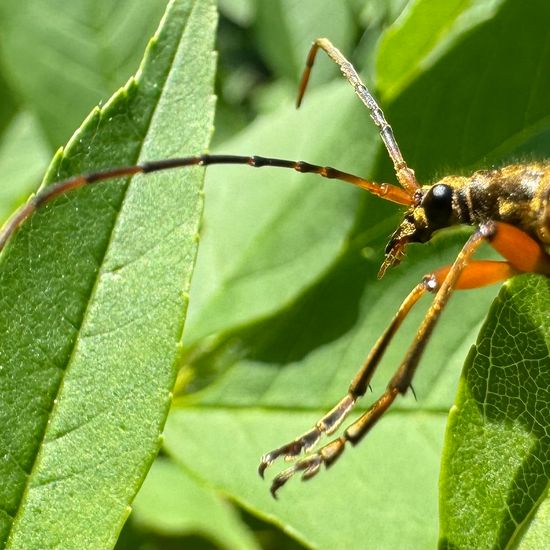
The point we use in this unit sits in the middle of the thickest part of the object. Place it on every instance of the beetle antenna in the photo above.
(383, 190)
(405, 175)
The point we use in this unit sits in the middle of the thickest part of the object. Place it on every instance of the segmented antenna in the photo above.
(384, 190)
(405, 175)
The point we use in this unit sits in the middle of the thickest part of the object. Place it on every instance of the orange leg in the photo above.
(522, 253)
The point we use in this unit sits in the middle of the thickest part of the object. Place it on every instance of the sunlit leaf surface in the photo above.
(93, 292)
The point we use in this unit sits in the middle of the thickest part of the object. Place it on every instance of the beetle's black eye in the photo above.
(438, 204)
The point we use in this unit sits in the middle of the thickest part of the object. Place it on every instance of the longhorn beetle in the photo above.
(509, 208)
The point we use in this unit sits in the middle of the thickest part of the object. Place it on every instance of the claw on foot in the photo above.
(327, 425)
(291, 450)
(308, 465)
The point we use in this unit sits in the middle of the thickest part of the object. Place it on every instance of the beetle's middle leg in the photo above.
(462, 274)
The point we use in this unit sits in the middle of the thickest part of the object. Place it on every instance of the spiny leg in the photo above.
(475, 275)
(334, 418)
(383, 190)
(522, 253)
(460, 275)
(405, 175)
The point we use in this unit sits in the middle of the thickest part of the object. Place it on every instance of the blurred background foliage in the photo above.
(59, 59)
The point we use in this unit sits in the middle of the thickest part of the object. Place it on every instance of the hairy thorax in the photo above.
(517, 194)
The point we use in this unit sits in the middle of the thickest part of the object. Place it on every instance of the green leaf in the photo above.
(170, 502)
(496, 466)
(23, 158)
(87, 48)
(271, 374)
(8, 105)
(422, 35)
(94, 292)
(324, 513)
(286, 30)
(537, 535)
